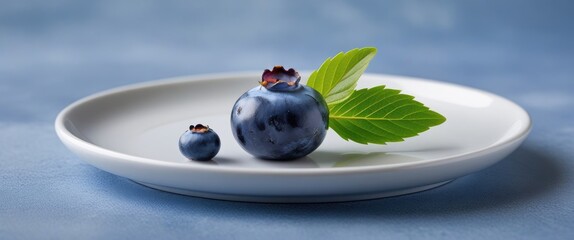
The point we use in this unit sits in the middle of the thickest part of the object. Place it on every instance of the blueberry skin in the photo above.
(199, 146)
(280, 125)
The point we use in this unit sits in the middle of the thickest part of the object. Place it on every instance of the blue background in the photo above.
(55, 52)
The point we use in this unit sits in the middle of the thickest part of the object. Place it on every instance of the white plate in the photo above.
(133, 132)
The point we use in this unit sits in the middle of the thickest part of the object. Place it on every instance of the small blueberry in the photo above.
(199, 143)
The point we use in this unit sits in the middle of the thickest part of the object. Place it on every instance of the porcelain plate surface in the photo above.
(133, 132)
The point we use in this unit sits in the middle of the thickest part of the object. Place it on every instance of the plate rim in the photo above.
(67, 137)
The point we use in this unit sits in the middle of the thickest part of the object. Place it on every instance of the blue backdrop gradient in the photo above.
(55, 52)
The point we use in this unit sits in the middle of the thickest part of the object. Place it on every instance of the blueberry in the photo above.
(199, 143)
(281, 119)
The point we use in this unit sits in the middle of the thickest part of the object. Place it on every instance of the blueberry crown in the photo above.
(280, 79)
(199, 128)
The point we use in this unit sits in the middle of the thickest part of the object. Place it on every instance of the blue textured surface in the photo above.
(55, 52)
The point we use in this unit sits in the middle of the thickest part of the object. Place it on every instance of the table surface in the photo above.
(55, 52)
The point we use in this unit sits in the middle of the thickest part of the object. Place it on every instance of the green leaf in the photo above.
(337, 77)
(380, 115)
(375, 115)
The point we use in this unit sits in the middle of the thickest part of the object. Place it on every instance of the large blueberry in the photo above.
(281, 119)
(199, 143)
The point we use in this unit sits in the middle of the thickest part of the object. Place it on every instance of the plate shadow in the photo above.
(523, 175)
